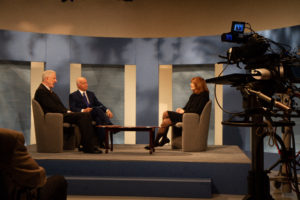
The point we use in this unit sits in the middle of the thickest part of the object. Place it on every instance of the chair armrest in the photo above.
(54, 118)
(190, 127)
(190, 123)
(53, 132)
(190, 118)
(54, 121)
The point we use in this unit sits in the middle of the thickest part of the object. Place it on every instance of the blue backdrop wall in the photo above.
(58, 51)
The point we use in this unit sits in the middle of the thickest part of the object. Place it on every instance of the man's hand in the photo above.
(180, 110)
(109, 113)
(87, 110)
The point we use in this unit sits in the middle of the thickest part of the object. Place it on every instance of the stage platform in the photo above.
(131, 171)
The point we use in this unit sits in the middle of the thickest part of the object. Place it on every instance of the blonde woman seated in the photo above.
(195, 104)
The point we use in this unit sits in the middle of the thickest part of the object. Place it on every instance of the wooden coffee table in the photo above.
(110, 129)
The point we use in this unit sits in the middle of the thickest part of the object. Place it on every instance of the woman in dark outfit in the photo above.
(195, 104)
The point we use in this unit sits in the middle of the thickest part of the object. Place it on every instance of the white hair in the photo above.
(47, 73)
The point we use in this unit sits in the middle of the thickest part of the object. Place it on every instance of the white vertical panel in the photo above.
(218, 111)
(36, 71)
(165, 90)
(75, 72)
(130, 103)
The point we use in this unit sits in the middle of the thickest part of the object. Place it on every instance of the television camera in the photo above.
(268, 88)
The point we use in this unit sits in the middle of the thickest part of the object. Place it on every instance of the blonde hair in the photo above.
(200, 85)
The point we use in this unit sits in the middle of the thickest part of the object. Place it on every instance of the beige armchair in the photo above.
(49, 129)
(192, 133)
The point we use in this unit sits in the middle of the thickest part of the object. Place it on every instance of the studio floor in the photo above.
(122, 152)
(214, 154)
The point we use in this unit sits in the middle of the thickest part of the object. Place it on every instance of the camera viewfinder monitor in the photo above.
(238, 27)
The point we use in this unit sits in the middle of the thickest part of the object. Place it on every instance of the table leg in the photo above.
(111, 141)
(106, 140)
(151, 139)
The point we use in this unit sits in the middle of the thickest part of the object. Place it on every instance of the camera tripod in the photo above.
(287, 176)
(258, 180)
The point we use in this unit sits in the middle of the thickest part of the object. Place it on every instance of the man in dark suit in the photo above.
(50, 102)
(19, 173)
(83, 100)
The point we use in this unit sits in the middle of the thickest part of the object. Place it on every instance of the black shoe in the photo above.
(96, 151)
(164, 141)
(147, 147)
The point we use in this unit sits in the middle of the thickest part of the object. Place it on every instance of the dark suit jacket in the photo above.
(17, 166)
(77, 102)
(49, 101)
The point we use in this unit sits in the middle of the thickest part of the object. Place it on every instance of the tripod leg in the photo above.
(286, 171)
(274, 165)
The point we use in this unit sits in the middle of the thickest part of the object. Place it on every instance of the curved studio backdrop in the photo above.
(18, 49)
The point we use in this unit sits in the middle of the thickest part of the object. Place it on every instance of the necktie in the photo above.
(85, 100)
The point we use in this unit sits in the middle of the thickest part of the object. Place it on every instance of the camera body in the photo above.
(268, 62)
(270, 69)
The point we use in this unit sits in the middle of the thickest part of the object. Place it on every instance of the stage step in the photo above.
(140, 186)
(130, 171)
(224, 178)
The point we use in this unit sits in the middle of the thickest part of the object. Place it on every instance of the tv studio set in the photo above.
(140, 99)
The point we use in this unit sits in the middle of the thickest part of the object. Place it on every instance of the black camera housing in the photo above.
(256, 51)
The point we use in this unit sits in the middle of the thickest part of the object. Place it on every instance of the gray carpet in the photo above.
(136, 152)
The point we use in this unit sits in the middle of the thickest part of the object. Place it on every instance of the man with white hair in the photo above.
(84, 100)
(51, 103)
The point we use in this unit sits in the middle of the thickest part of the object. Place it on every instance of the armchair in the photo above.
(192, 133)
(49, 129)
